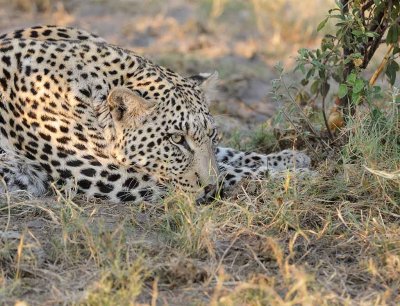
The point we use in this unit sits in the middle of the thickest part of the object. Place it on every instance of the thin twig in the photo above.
(379, 26)
(365, 7)
(325, 120)
(382, 65)
(297, 130)
(256, 258)
(344, 101)
(154, 293)
(299, 108)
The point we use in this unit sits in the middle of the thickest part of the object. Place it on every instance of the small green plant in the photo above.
(360, 27)
(372, 135)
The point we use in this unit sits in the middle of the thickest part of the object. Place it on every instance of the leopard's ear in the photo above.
(208, 82)
(123, 107)
(126, 105)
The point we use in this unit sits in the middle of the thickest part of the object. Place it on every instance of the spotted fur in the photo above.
(122, 128)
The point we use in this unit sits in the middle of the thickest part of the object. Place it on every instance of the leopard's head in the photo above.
(166, 129)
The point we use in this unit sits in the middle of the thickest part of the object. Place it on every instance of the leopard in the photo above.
(74, 108)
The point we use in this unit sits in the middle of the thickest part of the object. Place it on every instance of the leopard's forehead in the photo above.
(169, 89)
(187, 121)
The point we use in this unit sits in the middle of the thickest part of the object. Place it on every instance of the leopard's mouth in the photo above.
(203, 195)
(210, 194)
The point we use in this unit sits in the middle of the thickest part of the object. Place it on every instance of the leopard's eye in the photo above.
(178, 139)
(214, 136)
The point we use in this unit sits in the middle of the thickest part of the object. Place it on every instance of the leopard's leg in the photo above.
(130, 187)
(231, 176)
(16, 175)
(286, 159)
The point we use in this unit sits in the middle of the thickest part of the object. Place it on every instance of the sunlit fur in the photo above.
(74, 108)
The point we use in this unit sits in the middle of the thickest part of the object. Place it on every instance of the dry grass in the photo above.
(332, 240)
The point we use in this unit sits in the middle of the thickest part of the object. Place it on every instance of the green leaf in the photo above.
(391, 71)
(355, 98)
(393, 34)
(376, 90)
(321, 73)
(304, 82)
(371, 34)
(303, 52)
(310, 73)
(322, 24)
(358, 86)
(357, 32)
(300, 67)
(324, 89)
(351, 78)
(343, 90)
(338, 16)
(314, 87)
(356, 55)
